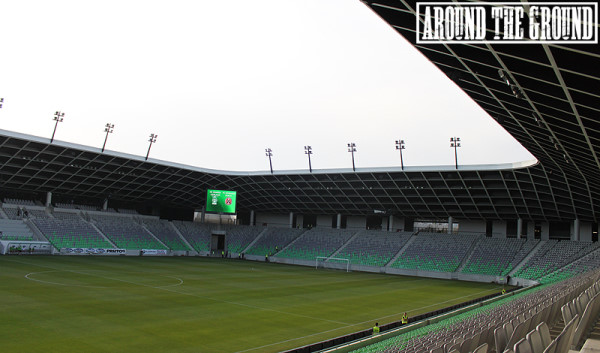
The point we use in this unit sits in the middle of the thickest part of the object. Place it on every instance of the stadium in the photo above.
(108, 251)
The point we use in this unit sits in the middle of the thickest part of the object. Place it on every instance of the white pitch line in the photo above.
(202, 297)
(357, 324)
(56, 283)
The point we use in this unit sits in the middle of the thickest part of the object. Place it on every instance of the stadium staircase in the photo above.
(255, 240)
(526, 259)
(343, 246)
(2, 214)
(470, 253)
(152, 234)
(182, 238)
(103, 235)
(292, 242)
(402, 250)
(38, 235)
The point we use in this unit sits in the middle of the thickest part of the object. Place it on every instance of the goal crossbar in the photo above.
(322, 259)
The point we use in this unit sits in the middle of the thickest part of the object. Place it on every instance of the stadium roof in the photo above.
(554, 116)
(553, 111)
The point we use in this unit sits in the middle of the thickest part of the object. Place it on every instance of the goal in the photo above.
(332, 262)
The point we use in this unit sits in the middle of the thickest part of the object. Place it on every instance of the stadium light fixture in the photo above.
(352, 149)
(109, 130)
(400, 147)
(308, 151)
(58, 117)
(1, 102)
(269, 153)
(455, 143)
(151, 140)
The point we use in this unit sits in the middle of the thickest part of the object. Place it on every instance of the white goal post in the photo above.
(345, 263)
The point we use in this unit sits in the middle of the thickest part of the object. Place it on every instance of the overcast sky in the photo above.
(219, 81)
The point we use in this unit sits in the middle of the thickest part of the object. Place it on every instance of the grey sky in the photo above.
(219, 81)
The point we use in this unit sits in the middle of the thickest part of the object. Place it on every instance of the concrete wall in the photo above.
(324, 221)
(469, 226)
(585, 231)
(499, 229)
(273, 220)
(398, 224)
(530, 230)
(356, 222)
(545, 231)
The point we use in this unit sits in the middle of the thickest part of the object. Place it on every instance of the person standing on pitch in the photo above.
(376, 329)
(405, 319)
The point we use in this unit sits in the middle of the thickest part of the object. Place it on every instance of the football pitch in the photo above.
(193, 304)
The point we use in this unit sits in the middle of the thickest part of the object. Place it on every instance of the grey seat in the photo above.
(500, 339)
(544, 333)
(563, 341)
(551, 347)
(481, 349)
(523, 346)
(535, 340)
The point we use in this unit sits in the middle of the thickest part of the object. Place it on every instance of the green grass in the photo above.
(167, 304)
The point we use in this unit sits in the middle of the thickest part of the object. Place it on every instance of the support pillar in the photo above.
(339, 221)
(252, 220)
(291, 219)
(48, 199)
(391, 224)
(105, 205)
(202, 214)
(450, 220)
(519, 228)
(576, 227)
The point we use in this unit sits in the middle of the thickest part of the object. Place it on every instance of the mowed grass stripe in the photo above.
(221, 306)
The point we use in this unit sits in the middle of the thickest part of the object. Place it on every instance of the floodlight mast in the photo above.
(352, 149)
(151, 140)
(308, 151)
(455, 143)
(269, 153)
(400, 147)
(58, 117)
(109, 130)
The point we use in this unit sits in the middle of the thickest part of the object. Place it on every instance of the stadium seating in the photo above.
(374, 248)
(274, 239)
(515, 323)
(317, 242)
(13, 213)
(70, 233)
(198, 235)
(553, 255)
(66, 215)
(497, 256)
(584, 264)
(166, 234)
(239, 237)
(125, 233)
(20, 202)
(14, 230)
(436, 252)
(35, 213)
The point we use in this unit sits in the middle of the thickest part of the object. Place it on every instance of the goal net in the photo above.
(332, 262)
